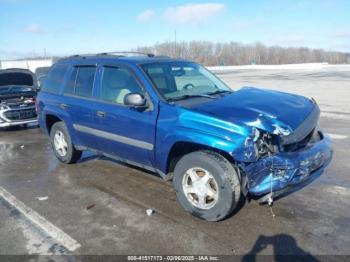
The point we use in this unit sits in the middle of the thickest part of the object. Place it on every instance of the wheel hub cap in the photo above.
(200, 188)
(60, 143)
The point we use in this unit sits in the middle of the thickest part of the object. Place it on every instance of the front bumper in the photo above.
(18, 116)
(287, 171)
(17, 123)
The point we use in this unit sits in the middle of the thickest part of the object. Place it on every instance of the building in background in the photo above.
(30, 63)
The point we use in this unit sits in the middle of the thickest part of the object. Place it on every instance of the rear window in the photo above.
(54, 79)
(16, 79)
(85, 81)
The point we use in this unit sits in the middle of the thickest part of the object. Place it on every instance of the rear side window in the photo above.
(70, 85)
(55, 79)
(85, 81)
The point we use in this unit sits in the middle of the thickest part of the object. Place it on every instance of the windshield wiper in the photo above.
(220, 91)
(190, 96)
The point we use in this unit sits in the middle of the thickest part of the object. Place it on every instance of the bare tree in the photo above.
(234, 53)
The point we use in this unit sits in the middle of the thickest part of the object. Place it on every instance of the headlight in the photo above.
(266, 144)
(3, 107)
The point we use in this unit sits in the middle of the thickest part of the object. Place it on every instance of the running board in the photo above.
(166, 177)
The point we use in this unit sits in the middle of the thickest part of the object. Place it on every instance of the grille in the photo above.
(19, 106)
(312, 137)
(304, 129)
(23, 114)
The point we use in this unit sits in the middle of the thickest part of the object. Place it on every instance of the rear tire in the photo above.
(62, 144)
(207, 185)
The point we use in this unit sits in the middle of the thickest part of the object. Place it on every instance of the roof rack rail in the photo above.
(123, 53)
(116, 53)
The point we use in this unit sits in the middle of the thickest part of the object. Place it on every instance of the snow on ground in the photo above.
(305, 66)
(328, 84)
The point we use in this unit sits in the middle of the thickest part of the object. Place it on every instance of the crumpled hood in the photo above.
(272, 111)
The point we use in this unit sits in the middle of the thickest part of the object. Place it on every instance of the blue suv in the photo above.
(177, 119)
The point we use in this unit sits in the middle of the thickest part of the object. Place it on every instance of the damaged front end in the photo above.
(279, 162)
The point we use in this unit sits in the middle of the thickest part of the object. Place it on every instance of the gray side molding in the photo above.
(114, 137)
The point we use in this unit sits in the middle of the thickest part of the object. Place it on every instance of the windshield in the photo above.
(183, 80)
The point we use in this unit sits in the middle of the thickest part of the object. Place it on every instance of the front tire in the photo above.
(62, 144)
(207, 185)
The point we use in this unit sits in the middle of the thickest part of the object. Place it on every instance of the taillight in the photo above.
(36, 101)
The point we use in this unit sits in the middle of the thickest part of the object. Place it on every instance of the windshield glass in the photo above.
(183, 79)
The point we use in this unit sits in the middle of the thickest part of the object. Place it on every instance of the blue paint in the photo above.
(228, 124)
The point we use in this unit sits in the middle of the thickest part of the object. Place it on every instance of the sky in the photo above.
(64, 27)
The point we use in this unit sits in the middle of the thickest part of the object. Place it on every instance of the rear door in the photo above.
(122, 130)
(79, 103)
(49, 97)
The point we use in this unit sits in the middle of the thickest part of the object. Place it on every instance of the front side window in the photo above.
(85, 81)
(54, 79)
(182, 79)
(117, 83)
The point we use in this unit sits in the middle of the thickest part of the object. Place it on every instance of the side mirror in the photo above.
(134, 99)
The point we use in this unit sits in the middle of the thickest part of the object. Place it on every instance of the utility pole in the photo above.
(175, 52)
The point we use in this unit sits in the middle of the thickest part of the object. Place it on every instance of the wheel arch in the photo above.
(50, 117)
(50, 120)
(181, 148)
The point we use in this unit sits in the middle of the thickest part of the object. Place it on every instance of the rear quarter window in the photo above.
(55, 79)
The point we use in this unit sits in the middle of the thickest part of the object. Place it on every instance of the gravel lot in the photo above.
(314, 220)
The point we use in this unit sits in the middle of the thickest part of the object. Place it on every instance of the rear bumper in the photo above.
(289, 171)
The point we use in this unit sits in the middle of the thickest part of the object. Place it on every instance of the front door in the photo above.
(125, 131)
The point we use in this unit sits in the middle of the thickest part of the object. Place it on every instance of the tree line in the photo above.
(233, 53)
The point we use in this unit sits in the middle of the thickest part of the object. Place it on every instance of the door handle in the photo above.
(101, 113)
(64, 106)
